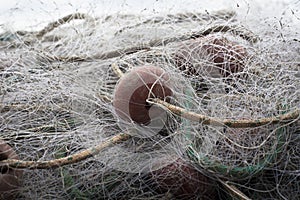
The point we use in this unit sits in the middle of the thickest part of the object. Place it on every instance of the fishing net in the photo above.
(229, 130)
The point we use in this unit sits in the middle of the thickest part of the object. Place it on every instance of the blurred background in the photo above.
(34, 14)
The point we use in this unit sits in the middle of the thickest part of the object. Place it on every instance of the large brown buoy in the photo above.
(194, 56)
(9, 178)
(135, 87)
(183, 181)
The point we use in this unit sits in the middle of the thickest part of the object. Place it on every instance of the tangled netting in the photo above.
(232, 129)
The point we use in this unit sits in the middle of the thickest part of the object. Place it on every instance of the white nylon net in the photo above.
(58, 84)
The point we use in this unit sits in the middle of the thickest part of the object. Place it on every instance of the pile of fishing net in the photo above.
(172, 106)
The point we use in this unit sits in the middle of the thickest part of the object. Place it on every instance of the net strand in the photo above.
(61, 21)
(71, 159)
(203, 119)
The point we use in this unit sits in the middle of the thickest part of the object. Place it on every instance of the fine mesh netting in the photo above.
(226, 125)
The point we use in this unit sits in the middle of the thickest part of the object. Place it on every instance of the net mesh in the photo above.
(58, 84)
